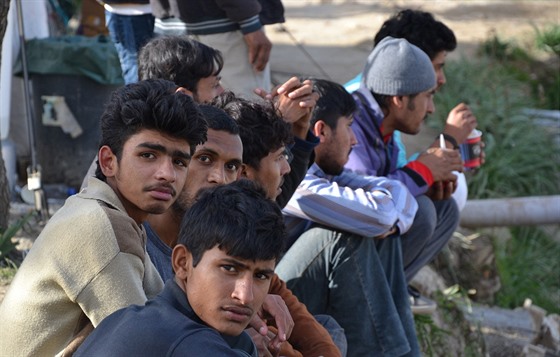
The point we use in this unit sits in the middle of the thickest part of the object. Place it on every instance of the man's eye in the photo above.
(203, 158)
(182, 162)
(229, 268)
(262, 276)
(232, 167)
(147, 155)
(287, 154)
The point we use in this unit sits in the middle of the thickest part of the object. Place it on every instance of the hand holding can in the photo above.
(471, 150)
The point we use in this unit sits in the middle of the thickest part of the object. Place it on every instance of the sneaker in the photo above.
(420, 305)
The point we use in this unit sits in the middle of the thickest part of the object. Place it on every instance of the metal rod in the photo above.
(27, 88)
(518, 211)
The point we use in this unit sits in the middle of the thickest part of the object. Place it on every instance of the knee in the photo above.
(448, 211)
(335, 331)
(426, 217)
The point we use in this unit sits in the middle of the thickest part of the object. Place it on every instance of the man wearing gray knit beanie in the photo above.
(396, 93)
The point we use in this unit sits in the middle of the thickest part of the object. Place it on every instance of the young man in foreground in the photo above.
(228, 246)
(90, 259)
(262, 136)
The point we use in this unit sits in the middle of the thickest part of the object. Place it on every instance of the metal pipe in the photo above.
(518, 211)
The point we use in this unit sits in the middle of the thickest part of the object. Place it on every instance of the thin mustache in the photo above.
(239, 309)
(162, 187)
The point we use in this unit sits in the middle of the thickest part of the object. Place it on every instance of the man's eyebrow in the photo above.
(163, 149)
(239, 264)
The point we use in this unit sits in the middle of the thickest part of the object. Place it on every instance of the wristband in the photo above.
(451, 139)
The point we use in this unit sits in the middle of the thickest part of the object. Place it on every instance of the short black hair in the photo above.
(261, 128)
(218, 119)
(420, 29)
(334, 102)
(238, 218)
(179, 59)
(153, 105)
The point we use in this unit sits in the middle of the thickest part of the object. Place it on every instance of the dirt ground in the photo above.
(332, 38)
(338, 34)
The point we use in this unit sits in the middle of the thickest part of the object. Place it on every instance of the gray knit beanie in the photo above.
(396, 67)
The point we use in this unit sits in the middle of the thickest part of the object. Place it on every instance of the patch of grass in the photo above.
(529, 267)
(7, 274)
(6, 243)
(521, 160)
(549, 39)
(541, 77)
(429, 335)
(453, 336)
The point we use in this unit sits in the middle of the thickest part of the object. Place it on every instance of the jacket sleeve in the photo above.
(308, 336)
(364, 205)
(301, 151)
(118, 285)
(239, 10)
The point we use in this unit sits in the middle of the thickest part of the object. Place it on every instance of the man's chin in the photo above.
(157, 208)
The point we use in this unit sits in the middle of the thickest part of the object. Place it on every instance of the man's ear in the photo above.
(184, 91)
(107, 161)
(245, 172)
(321, 130)
(181, 261)
(398, 101)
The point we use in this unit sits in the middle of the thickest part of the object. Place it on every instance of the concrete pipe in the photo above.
(519, 211)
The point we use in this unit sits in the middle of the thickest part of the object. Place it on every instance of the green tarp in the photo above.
(93, 57)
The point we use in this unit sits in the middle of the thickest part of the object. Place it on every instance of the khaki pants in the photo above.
(238, 74)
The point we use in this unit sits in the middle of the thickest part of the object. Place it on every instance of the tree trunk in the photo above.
(4, 189)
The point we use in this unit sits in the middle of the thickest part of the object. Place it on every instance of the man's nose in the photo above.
(166, 170)
(217, 175)
(244, 290)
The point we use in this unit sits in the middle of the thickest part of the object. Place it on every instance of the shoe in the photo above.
(420, 305)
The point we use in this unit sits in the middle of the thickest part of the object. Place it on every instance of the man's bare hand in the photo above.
(441, 163)
(259, 49)
(274, 308)
(295, 101)
(441, 190)
(261, 342)
(460, 122)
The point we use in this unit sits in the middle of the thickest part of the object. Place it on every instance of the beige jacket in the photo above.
(89, 261)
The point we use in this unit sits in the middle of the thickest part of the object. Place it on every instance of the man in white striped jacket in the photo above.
(348, 262)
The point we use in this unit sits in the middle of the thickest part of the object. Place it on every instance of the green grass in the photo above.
(529, 266)
(7, 274)
(521, 159)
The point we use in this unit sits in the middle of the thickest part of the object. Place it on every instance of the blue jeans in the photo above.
(335, 330)
(129, 34)
(360, 283)
(432, 228)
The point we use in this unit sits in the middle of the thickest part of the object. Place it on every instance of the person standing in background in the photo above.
(235, 28)
(130, 25)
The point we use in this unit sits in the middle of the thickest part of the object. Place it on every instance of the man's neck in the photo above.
(166, 226)
(387, 127)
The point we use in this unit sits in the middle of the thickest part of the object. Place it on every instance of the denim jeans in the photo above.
(360, 283)
(335, 330)
(129, 34)
(433, 226)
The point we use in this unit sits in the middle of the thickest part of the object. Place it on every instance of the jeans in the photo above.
(129, 34)
(433, 226)
(360, 283)
(335, 330)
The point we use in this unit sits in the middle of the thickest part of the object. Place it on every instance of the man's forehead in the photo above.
(222, 141)
(222, 254)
